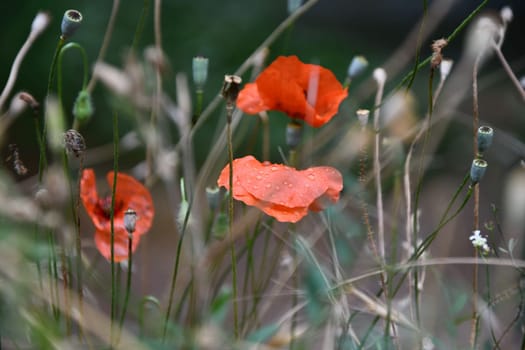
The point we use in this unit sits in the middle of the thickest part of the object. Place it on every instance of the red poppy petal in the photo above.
(120, 246)
(283, 214)
(89, 197)
(281, 191)
(333, 180)
(131, 194)
(284, 86)
(249, 100)
(280, 88)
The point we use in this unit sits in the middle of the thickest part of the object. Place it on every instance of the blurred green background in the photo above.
(226, 32)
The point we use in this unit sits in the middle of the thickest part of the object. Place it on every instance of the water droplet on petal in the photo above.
(258, 177)
(290, 185)
(311, 176)
(274, 168)
(268, 186)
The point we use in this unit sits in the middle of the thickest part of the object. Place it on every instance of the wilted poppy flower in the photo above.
(303, 91)
(282, 191)
(130, 194)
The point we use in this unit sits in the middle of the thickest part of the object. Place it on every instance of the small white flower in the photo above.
(480, 242)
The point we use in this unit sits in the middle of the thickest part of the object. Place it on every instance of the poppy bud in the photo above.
(70, 23)
(214, 197)
(74, 142)
(230, 88)
(220, 226)
(362, 116)
(477, 170)
(83, 107)
(294, 5)
(200, 71)
(485, 136)
(294, 131)
(55, 124)
(357, 66)
(130, 221)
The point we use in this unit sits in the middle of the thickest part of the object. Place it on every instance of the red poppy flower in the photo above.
(129, 194)
(289, 85)
(282, 191)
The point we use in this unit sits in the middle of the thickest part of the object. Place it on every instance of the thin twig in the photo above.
(508, 70)
(105, 42)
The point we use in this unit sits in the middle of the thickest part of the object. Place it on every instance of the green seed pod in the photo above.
(357, 66)
(477, 170)
(220, 226)
(485, 136)
(213, 194)
(294, 131)
(200, 71)
(70, 23)
(294, 5)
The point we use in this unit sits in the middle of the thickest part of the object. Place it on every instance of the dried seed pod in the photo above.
(74, 142)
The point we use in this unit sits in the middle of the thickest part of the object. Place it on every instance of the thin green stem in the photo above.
(128, 287)
(66, 47)
(42, 164)
(176, 268)
(229, 111)
(140, 25)
(114, 295)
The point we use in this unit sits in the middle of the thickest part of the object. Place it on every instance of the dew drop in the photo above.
(258, 177)
(311, 176)
(268, 186)
(290, 185)
(277, 188)
(273, 168)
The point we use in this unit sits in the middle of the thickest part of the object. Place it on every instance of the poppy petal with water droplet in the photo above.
(120, 246)
(282, 191)
(302, 91)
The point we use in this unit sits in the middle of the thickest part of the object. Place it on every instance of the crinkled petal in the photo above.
(302, 91)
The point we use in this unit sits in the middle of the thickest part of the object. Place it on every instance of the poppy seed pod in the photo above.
(357, 66)
(485, 136)
(362, 116)
(83, 107)
(477, 170)
(230, 88)
(70, 23)
(294, 131)
(213, 195)
(200, 71)
(130, 220)
(294, 5)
